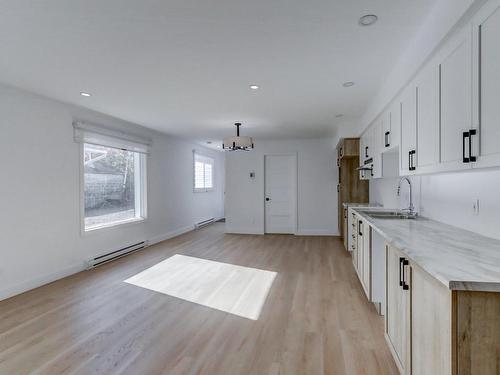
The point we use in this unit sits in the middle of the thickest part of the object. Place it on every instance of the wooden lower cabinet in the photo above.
(396, 316)
(432, 330)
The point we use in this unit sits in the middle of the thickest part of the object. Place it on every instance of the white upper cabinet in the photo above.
(408, 149)
(391, 126)
(456, 100)
(376, 147)
(486, 25)
(427, 92)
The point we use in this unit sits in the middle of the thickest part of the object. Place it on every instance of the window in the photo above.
(203, 173)
(114, 183)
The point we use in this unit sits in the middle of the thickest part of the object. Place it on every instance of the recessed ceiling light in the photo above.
(254, 87)
(368, 20)
(348, 84)
(209, 142)
(86, 94)
(339, 115)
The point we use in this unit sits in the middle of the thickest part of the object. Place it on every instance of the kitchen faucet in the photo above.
(411, 208)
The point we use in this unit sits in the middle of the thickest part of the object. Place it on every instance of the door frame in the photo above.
(294, 187)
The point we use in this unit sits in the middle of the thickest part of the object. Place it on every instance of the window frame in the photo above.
(212, 163)
(140, 194)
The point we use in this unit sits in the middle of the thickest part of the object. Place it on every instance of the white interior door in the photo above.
(280, 193)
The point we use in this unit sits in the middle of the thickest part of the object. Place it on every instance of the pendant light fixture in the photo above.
(238, 143)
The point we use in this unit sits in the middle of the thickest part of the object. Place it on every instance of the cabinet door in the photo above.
(456, 100)
(408, 131)
(431, 325)
(396, 308)
(346, 229)
(376, 147)
(391, 126)
(366, 275)
(359, 248)
(427, 86)
(487, 31)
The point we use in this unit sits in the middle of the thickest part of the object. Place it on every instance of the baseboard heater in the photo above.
(204, 223)
(109, 257)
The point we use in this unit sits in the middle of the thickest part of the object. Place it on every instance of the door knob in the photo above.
(268, 199)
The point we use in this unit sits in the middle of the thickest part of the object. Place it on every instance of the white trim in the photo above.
(171, 234)
(316, 232)
(78, 267)
(235, 230)
(40, 281)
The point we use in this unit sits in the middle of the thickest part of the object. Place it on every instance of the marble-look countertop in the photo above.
(459, 259)
(345, 205)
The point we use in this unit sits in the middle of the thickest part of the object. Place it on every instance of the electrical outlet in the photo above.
(475, 206)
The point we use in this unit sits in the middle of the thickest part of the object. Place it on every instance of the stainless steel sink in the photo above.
(392, 215)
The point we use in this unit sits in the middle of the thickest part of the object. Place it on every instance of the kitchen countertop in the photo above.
(345, 205)
(459, 259)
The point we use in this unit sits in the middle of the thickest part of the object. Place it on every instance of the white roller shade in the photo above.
(102, 136)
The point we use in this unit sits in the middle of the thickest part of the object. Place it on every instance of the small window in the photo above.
(112, 186)
(203, 173)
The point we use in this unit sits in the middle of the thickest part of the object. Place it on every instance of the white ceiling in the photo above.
(184, 66)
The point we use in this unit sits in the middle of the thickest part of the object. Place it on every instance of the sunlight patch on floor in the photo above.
(227, 287)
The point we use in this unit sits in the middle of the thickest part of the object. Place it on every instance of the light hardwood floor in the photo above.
(315, 320)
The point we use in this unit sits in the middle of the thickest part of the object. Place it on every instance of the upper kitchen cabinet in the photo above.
(391, 125)
(408, 148)
(486, 26)
(376, 147)
(427, 119)
(455, 71)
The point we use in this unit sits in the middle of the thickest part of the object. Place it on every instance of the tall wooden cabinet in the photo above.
(350, 188)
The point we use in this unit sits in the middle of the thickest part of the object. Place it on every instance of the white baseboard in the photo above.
(40, 280)
(316, 232)
(231, 230)
(48, 278)
(169, 235)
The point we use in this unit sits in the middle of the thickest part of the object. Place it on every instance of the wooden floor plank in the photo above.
(315, 320)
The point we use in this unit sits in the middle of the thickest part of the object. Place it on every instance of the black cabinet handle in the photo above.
(268, 199)
(400, 273)
(471, 133)
(405, 285)
(338, 188)
(359, 227)
(366, 151)
(387, 143)
(465, 135)
(411, 160)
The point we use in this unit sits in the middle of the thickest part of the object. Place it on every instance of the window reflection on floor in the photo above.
(234, 289)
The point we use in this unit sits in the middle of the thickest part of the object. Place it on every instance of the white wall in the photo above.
(317, 179)
(448, 198)
(39, 189)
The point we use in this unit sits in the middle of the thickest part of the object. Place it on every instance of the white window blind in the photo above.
(203, 173)
(102, 136)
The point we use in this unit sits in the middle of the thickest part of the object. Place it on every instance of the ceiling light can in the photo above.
(368, 20)
(348, 84)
